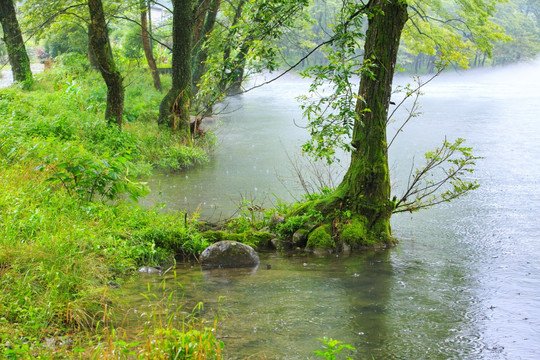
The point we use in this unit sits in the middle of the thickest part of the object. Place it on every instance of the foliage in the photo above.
(295, 222)
(452, 31)
(330, 107)
(246, 42)
(71, 38)
(520, 20)
(67, 104)
(333, 348)
(433, 184)
(86, 177)
(60, 246)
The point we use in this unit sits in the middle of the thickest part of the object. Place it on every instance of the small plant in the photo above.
(251, 216)
(333, 348)
(86, 177)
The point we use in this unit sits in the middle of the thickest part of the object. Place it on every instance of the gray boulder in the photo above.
(229, 254)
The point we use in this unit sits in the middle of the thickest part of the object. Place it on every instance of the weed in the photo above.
(333, 348)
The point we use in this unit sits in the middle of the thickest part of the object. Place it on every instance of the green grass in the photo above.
(67, 228)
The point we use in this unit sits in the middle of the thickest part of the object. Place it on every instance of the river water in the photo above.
(464, 282)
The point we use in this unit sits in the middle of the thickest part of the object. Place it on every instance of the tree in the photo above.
(145, 36)
(18, 58)
(99, 42)
(174, 108)
(201, 33)
(521, 20)
(358, 211)
(365, 189)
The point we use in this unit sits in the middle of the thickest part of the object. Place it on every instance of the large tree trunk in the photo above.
(174, 108)
(365, 189)
(99, 41)
(145, 35)
(18, 58)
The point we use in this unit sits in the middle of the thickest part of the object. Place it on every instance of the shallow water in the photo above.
(462, 284)
(6, 77)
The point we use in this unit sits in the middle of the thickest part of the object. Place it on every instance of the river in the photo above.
(462, 284)
(6, 77)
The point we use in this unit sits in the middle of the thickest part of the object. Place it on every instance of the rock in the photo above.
(276, 220)
(150, 269)
(300, 237)
(113, 284)
(229, 254)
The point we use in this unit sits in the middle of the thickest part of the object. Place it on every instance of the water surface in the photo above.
(462, 284)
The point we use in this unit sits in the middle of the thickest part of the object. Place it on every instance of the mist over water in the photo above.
(464, 281)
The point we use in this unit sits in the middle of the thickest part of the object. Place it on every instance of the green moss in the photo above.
(321, 238)
(256, 239)
(214, 236)
(354, 233)
(383, 234)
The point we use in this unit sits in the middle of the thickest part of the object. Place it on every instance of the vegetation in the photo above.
(18, 58)
(67, 230)
(69, 181)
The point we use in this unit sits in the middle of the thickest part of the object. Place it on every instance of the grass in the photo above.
(67, 229)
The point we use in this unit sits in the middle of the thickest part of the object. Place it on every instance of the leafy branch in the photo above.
(425, 188)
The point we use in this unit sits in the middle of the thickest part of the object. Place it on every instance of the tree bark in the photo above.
(148, 48)
(174, 108)
(199, 16)
(365, 189)
(200, 55)
(90, 52)
(18, 57)
(99, 41)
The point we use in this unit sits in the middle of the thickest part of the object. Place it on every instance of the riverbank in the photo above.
(71, 229)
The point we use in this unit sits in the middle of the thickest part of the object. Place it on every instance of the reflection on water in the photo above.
(462, 284)
(385, 308)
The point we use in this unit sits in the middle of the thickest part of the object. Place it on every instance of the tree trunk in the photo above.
(99, 42)
(18, 58)
(365, 189)
(90, 52)
(148, 48)
(174, 108)
(200, 55)
(199, 16)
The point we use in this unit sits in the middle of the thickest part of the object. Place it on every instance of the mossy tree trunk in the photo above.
(99, 41)
(18, 57)
(147, 47)
(90, 51)
(365, 189)
(174, 108)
